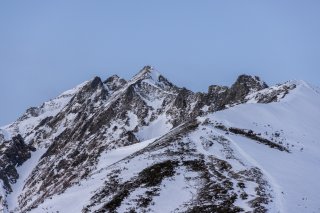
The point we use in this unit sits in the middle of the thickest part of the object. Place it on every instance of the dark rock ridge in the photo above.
(254, 136)
(244, 85)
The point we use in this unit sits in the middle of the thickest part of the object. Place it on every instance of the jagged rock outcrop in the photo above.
(13, 154)
(243, 86)
(273, 94)
(114, 83)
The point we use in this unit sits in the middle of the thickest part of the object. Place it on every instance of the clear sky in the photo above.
(47, 47)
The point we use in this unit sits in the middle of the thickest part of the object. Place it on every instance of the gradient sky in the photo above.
(47, 47)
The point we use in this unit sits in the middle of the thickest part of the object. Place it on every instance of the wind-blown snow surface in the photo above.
(295, 176)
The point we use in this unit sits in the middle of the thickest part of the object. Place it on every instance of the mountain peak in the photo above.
(250, 81)
(114, 82)
(148, 72)
(150, 75)
(111, 78)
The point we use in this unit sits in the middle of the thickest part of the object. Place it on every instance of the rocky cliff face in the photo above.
(72, 134)
(13, 153)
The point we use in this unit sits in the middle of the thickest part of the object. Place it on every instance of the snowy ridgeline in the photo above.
(145, 145)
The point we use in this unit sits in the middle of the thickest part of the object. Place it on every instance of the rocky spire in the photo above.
(114, 82)
(252, 83)
(152, 76)
(148, 72)
(244, 85)
(221, 96)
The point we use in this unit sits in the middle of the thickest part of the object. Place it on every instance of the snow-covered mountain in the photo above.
(146, 145)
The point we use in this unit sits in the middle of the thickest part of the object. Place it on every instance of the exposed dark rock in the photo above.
(43, 122)
(216, 97)
(242, 87)
(274, 95)
(149, 177)
(131, 137)
(181, 101)
(114, 82)
(31, 112)
(13, 153)
(250, 134)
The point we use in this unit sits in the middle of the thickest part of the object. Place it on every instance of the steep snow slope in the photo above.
(295, 120)
(74, 199)
(24, 171)
(34, 115)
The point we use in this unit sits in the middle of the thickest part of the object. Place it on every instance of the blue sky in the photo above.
(47, 47)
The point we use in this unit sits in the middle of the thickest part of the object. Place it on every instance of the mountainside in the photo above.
(146, 145)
